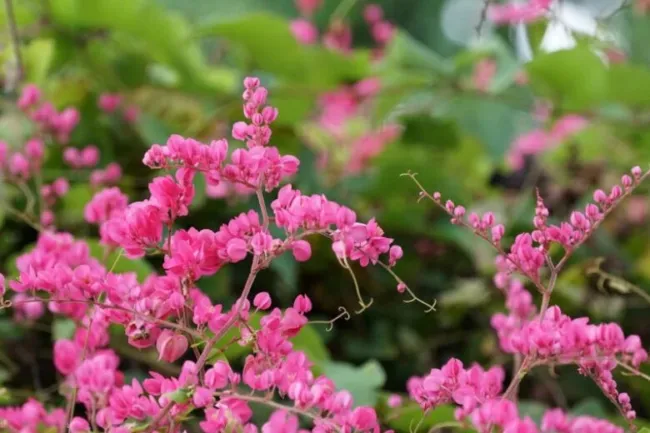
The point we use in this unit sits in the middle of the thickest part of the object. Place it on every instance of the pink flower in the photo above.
(302, 304)
(218, 376)
(512, 13)
(108, 102)
(304, 31)
(171, 345)
(66, 356)
(79, 425)
(308, 7)
(29, 97)
(372, 13)
(484, 72)
(202, 397)
(131, 114)
(567, 126)
(140, 227)
(19, 166)
(173, 196)
(236, 250)
(262, 301)
(281, 422)
(394, 401)
(106, 204)
(301, 250)
(363, 418)
(394, 254)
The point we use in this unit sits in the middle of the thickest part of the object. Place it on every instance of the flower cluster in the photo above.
(49, 121)
(513, 13)
(168, 313)
(544, 337)
(540, 140)
(20, 167)
(339, 34)
(110, 103)
(87, 157)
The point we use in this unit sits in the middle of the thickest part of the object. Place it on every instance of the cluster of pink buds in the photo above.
(547, 337)
(513, 13)
(110, 175)
(539, 140)
(20, 166)
(258, 132)
(339, 34)
(529, 250)
(477, 393)
(110, 103)
(382, 31)
(45, 116)
(87, 157)
(336, 110)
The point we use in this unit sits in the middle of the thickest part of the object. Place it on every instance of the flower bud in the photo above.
(170, 345)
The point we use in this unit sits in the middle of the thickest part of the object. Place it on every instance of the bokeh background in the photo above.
(456, 94)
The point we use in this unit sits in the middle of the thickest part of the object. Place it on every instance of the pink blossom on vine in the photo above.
(308, 7)
(171, 345)
(484, 72)
(512, 13)
(105, 205)
(29, 97)
(372, 13)
(262, 301)
(304, 31)
(84, 158)
(109, 102)
(107, 176)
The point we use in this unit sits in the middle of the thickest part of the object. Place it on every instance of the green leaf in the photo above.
(466, 293)
(179, 396)
(287, 269)
(152, 130)
(74, 202)
(363, 382)
(407, 416)
(533, 409)
(122, 264)
(200, 196)
(644, 430)
(297, 62)
(166, 36)
(576, 79)
(407, 53)
(62, 329)
(495, 124)
(38, 56)
(590, 407)
(309, 341)
(629, 84)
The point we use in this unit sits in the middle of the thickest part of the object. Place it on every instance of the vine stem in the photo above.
(15, 39)
(200, 363)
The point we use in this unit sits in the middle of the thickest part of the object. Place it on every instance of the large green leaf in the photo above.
(74, 202)
(278, 52)
(165, 35)
(363, 382)
(494, 123)
(576, 79)
(407, 53)
(629, 84)
(405, 418)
